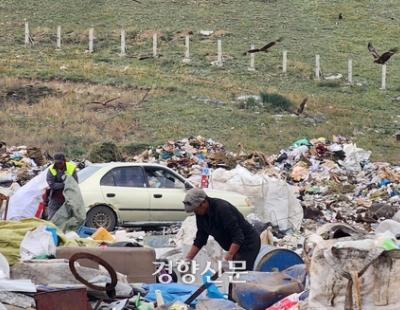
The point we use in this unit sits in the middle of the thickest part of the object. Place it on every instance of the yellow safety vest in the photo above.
(70, 168)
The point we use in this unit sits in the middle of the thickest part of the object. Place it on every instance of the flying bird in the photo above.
(381, 59)
(265, 48)
(301, 107)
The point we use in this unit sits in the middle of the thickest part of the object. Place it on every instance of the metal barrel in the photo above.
(272, 258)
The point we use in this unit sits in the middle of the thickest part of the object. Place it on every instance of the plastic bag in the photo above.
(25, 201)
(354, 157)
(4, 268)
(38, 242)
(212, 289)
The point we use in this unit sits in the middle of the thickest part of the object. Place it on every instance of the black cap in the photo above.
(59, 157)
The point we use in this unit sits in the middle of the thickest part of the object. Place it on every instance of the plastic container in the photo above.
(85, 231)
(54, 235)
(204, 176)
(275, 259)
(102, 234)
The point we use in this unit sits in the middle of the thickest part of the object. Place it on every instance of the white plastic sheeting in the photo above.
(274, 199)
(25, 201)
(211, 253)
(4, 268)
(280, 205)
(38, 242)
(354, 156)
(388, 227)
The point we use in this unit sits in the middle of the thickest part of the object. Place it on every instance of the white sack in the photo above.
(281, 207)
(25, 201)
(273, 198)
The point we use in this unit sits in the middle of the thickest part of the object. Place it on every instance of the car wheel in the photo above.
(101, 216)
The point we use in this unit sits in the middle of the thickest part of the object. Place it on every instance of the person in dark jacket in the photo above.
(55, 179)
(220, 219)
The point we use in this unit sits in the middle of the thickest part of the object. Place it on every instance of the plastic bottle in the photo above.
(204, 176)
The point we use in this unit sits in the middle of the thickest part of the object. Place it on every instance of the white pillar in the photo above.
(123, 43)
(187, 50)
(27, 39)
(220, 61)
(383, 86)
(155, 45)
(317, 67)
(59, 37)
(350, 71)
(284, 62)
(91, 39)
(252, 59)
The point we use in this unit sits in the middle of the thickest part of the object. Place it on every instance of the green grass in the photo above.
(171, 111)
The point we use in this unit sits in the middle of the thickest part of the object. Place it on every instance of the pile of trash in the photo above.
(188, 155)
(18, 165)
(336, 182)
(325, 213)
(333, 179)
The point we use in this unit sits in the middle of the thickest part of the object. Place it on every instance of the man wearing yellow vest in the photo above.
(55, 179)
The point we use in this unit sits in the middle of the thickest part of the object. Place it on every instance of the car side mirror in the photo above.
(188, 186)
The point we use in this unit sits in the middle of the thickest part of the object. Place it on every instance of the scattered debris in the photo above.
(308, 184)
(206, 33)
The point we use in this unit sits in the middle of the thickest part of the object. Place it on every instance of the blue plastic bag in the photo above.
(212, 289)
(170, 292)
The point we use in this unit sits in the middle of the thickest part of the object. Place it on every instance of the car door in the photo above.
(166, 192)
(125, 188)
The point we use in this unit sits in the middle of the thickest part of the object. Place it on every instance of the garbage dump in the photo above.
(327, 216)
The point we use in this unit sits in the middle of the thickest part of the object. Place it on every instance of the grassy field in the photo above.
(161, 99)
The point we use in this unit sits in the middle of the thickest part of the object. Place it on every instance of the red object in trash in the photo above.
(42, 204)
(40, 210)
(287, 303)
(204, 181)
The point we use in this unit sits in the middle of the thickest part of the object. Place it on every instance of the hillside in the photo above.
(58, 99)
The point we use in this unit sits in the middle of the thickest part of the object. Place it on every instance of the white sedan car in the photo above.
(140, 195)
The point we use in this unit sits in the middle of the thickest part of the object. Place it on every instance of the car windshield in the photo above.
(85, 173)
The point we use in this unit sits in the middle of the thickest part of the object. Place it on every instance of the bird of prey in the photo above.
(301, 107)
(381, 59)
(340, 17)
(265, 48)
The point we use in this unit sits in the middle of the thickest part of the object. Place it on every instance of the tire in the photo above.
(101, 216)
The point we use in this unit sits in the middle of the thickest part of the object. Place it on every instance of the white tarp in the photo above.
(354, 156)
(25, 201)
(274, 199)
